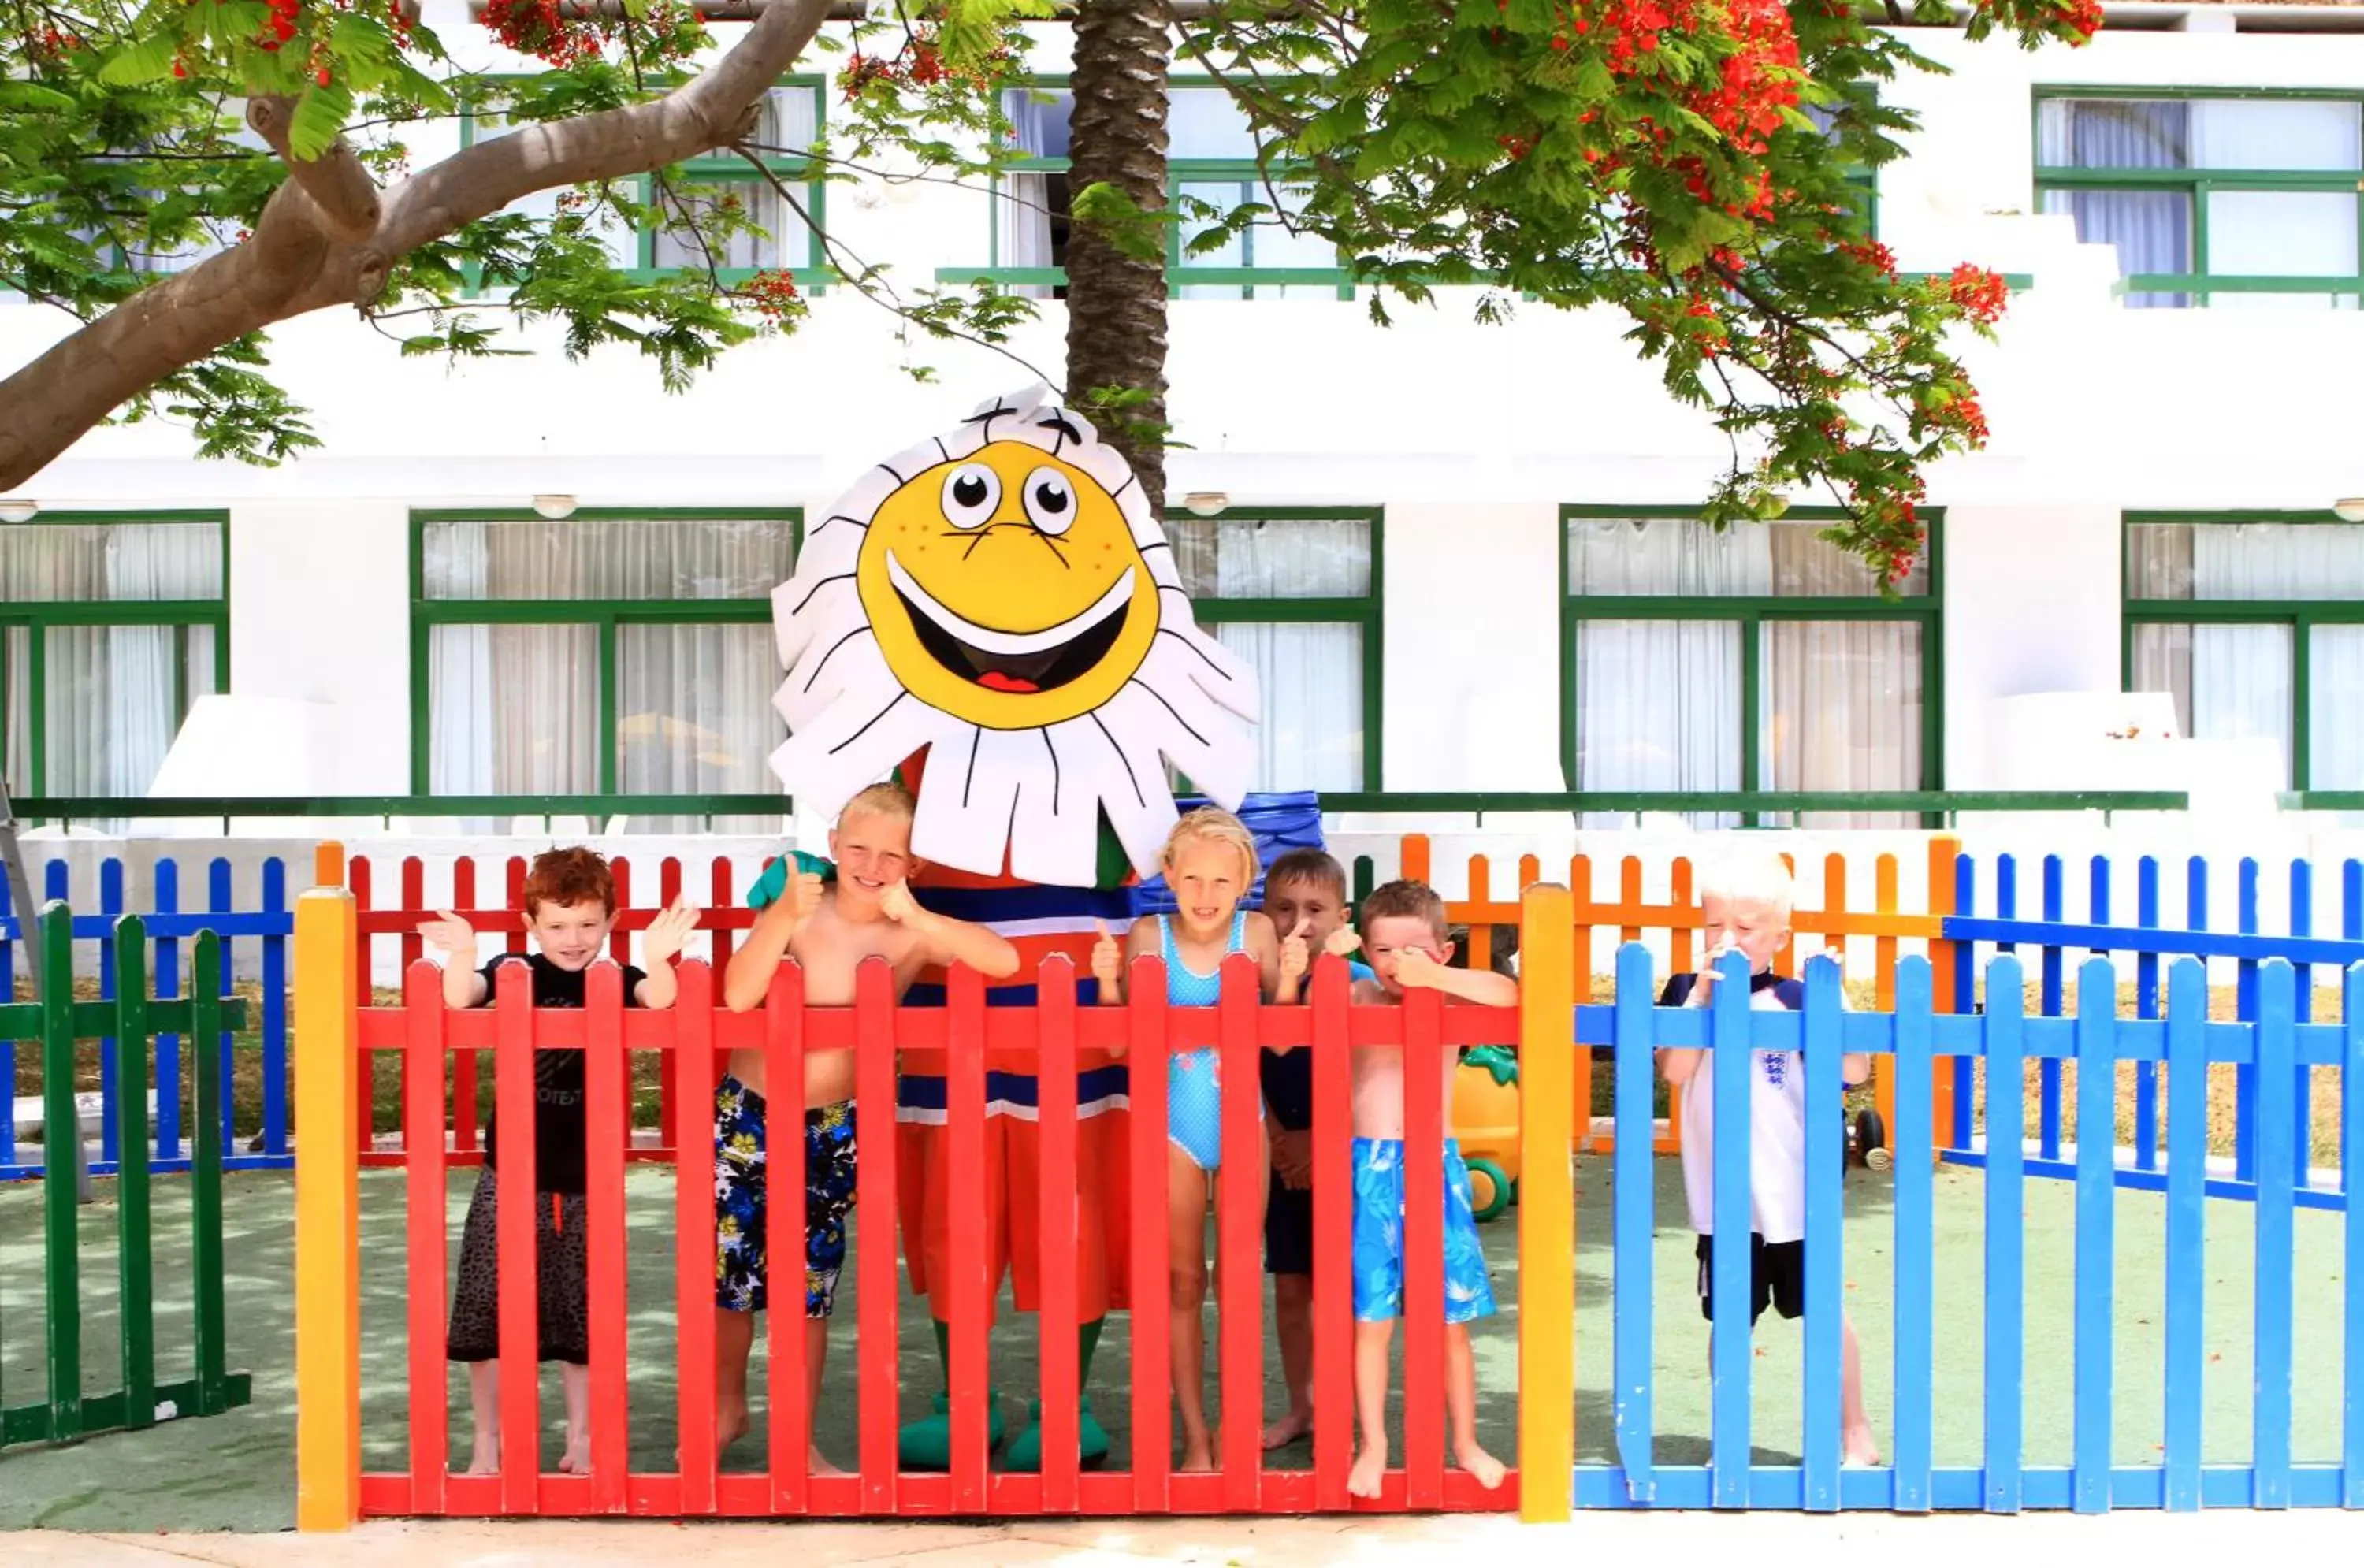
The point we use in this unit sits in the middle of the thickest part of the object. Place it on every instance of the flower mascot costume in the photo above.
(995, 614)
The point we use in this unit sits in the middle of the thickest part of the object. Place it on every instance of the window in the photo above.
(2256, 625)
(780, 234)
(776, 232)
(2221, 201)
(1761, 658)
(1295, 594)
(111, 626)
(614, 652)
(1211, 159)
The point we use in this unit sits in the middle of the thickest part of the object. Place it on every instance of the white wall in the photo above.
(1470, 437)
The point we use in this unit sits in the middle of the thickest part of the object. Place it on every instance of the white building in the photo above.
(1479, 530)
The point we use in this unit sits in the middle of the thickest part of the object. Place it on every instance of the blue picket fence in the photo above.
(263, 1146)
(2247, 947)
(2274, 1045)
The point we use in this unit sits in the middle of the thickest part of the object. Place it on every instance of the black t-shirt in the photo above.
(558, 1078)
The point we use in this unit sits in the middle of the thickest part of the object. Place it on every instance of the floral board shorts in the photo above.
(1380, 1236)
(741, 1260)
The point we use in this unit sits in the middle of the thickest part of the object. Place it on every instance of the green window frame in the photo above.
(2200, 285)
(723, 168)
(2302, 616)
(26, 624)
(1180, 271)
(1363, 610)
(606, 616)
(1750, 613)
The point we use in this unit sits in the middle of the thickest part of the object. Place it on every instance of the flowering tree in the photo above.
(1692, 163)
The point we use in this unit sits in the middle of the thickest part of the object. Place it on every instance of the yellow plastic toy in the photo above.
(1485, 1122)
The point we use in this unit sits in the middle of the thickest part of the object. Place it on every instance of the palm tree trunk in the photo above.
(1116, 303)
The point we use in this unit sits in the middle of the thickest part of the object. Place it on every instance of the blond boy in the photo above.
(829, 931)
(1745, 906)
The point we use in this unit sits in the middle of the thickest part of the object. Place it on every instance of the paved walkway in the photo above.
(1768, 1541)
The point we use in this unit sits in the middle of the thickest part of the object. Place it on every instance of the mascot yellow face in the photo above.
(1002, 598)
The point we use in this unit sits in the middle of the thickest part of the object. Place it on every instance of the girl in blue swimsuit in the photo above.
(1210, 865)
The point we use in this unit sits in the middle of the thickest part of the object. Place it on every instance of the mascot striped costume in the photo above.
(996, 614)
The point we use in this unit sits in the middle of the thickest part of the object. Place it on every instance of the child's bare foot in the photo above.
(577, 1460)
(1363, 1480)
(1198, 1456)
(1288, 1430)
(485, 1458)
(730, 1425)
(817, 1463)
(1479, 1463)
(1860, 1446)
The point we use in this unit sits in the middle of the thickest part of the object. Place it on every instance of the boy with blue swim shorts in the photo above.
(1403, 936)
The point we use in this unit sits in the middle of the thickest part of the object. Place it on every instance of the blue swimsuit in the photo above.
(1194, 1100)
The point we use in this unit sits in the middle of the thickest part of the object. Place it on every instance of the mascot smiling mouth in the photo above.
(1013, 662)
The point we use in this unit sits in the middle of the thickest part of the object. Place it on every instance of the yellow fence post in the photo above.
(327, 1217)
(1942, 853)
(1546, 1205)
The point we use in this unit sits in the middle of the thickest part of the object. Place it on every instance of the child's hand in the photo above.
(1108, 960)
(1703, 989)
(895, 902)
(804, 893)
(1295, 960)
(662, 941)
(1343, 941)
(1415, 968)
(451, 938)
(1292, 1158)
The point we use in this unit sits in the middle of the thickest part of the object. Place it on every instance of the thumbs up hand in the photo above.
(1107, 964)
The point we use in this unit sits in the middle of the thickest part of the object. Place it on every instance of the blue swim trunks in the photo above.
(1380, 1236)
(741, 1222)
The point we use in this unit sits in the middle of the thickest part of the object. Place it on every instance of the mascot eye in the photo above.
(1050, 501)
(972, 494)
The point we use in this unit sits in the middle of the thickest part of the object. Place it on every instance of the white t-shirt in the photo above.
(1777, 1121)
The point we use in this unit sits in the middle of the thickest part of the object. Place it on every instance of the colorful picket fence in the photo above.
(130, 1019)
(262, 1144)
(1826, 919)
(1554, 1031)
(2248, 947)
(335, 1035)
(397, 923)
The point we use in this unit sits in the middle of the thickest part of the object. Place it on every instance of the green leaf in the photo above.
(147, 60)
(320, 115)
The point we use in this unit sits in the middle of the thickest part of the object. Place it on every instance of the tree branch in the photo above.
(341, 191)
(291, 265)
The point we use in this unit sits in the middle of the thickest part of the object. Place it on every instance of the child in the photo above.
(1210, 864)
(1305, 897)
(1746, 909)
(1403, 935)
(570, 906)
(829, 931)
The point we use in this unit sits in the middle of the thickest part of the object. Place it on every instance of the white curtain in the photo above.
(516, 710)
(2336, 738)
(2236, 681)
(1026, 206)
(2152, 229)
(779, 236)
(1659, 702)
(1310, 672)
(16, 710)
(115, 696)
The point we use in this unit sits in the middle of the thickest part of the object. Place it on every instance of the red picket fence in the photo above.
(957, 1040)
(720, 914)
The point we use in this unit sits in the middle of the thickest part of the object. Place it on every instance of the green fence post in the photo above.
(59, 1136)
(133, 1230)
(204, 1177)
